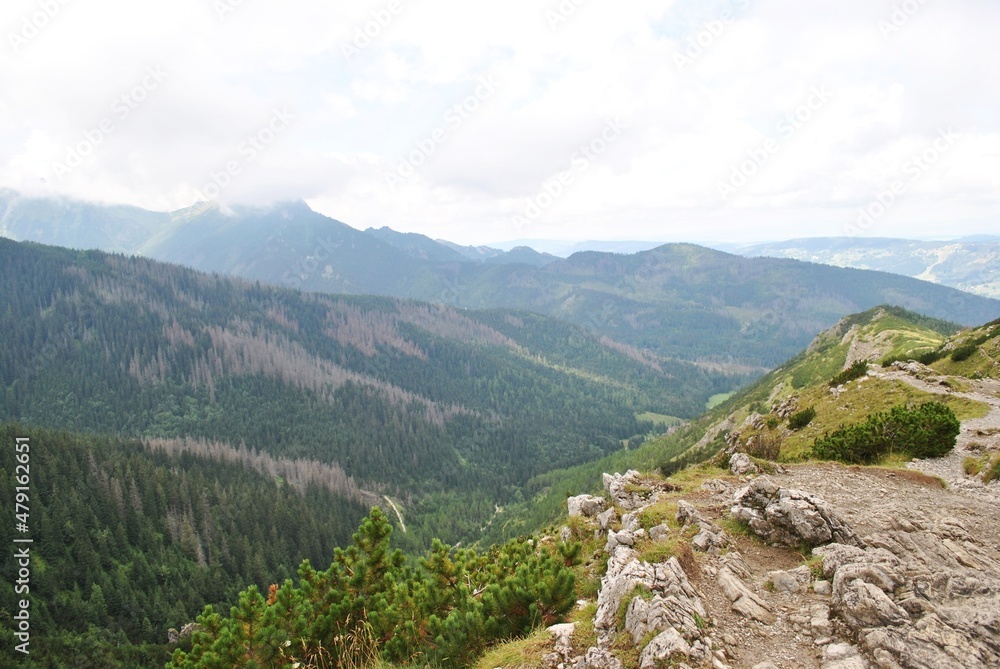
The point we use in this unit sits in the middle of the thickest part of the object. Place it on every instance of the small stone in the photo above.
(822, 588)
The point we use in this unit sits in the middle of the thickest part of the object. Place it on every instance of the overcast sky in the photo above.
(479, 122)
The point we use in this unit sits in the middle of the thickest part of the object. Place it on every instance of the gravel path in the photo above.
(978, 435)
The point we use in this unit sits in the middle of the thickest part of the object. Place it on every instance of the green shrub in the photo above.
(855, 371)
(802, 418)
(928, 431)
(930, 357)
(964, 352)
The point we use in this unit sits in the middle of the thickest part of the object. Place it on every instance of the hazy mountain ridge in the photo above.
(972, 265)
(677, 300)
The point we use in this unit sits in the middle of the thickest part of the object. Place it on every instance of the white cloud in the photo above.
(689, 127)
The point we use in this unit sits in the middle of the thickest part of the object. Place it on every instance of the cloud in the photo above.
(703, 87)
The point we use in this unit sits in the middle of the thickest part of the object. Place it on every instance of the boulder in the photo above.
(790, 517)
(666, 646)
(740, 464)
(793, 580)
(585, 505)
(606, 518)
(659, 533)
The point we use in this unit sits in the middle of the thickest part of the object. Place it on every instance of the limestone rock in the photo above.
(627, 490)
(743, 599)
(665, 646)
(606, 518)
(687, 513)
(842, 656)
(741, 465)
(596, 658)
(659, 533)
(790, 517)
(585, 505)
(793, 580)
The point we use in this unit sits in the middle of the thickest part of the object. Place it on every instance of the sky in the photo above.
(685, 120)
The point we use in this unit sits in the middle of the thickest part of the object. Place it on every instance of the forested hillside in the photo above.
(129, 542)
(447, 411)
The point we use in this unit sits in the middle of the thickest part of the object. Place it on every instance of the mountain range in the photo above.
(676, 300)
(971, 264)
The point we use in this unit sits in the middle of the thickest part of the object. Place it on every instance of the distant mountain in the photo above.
(418, 246)
(692, 302)
(971, 264)
(564, 249)
(425, 248)
(75, 224)
(449, 410)
(676, 300)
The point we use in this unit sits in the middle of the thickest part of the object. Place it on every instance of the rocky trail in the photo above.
(904, 573)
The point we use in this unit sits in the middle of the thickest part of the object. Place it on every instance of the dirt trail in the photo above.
(978, 435)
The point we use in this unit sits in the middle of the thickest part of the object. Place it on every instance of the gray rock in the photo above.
(596, 658)
(822, 588)
(790, 581)
(630, 522)
(741, 465)
(744, 601)
(842, 656)
(628, 490)
(710, 539)
(659, 533)
(606, 518)
(790, 517)
(675, 603)
(585, 505)
(666, 646)
(687, 513)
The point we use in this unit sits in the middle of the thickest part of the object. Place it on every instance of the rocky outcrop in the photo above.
(744, 601)
(585, 505)
(913, 603)
(920, 590)
(790, 517)
(174, 637)
(627, 490)
(710, 537)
